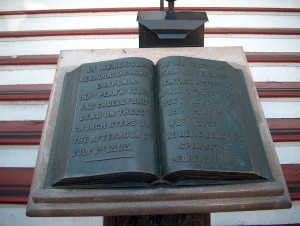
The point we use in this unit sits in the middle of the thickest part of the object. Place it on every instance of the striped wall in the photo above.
(33, 32)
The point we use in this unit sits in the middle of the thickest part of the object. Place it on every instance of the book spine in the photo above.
(158, 127)
(64, 124)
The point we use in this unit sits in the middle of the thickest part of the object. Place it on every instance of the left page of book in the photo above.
(112, 136)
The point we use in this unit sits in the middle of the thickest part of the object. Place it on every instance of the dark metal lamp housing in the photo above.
(171, 29)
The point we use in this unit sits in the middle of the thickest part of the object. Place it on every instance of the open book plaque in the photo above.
(130, 123)
(173, 128)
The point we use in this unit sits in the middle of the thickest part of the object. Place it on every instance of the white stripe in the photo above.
(253, 20)
(15, 215)
(281, 108)
(264, 217)
(288, 152)
(29, 75)
(25, 155)
(128, 20)
(36, 46)
(18, 156)
(20, 111)
(68, 21)
(255, 43)
(58, 4)
(36, 110)
(278, 72)
(53, 45)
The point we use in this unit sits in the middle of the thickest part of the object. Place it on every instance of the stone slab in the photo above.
(114, 202)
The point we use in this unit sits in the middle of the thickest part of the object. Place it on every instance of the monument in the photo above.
(156, 132)
(211, 112)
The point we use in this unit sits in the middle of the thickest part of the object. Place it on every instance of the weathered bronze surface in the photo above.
(108, 127)
(207, 123)
(127, 123)
(159, 200)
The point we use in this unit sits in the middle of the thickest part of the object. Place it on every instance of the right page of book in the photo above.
(208, 130)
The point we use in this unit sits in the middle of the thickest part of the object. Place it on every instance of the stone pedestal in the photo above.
(49, 202)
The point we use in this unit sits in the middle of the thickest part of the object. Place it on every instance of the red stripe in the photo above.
(25, 92)
(11, 179)
(276, 57)
(21, 126)
(29, 60)
(20, 132)
(286, 138)
(292, 176)
(132, 9)
(129, 31)
(278, 89)
(256, 31)
(13, 199)
(17, 34)
(277, 85)
(15, 176)
(29, 132)
(20, 141)
(285, 127)
(278, 94)
(42, 91)
(291, 123)
(16, 188)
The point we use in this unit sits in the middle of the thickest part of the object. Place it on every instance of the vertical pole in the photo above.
(161, 5)
(171, 6)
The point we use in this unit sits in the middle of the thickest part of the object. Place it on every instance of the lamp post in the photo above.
(161, 5)
(171, 5)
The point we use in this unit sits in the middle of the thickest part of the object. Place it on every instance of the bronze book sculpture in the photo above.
(129, 123)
